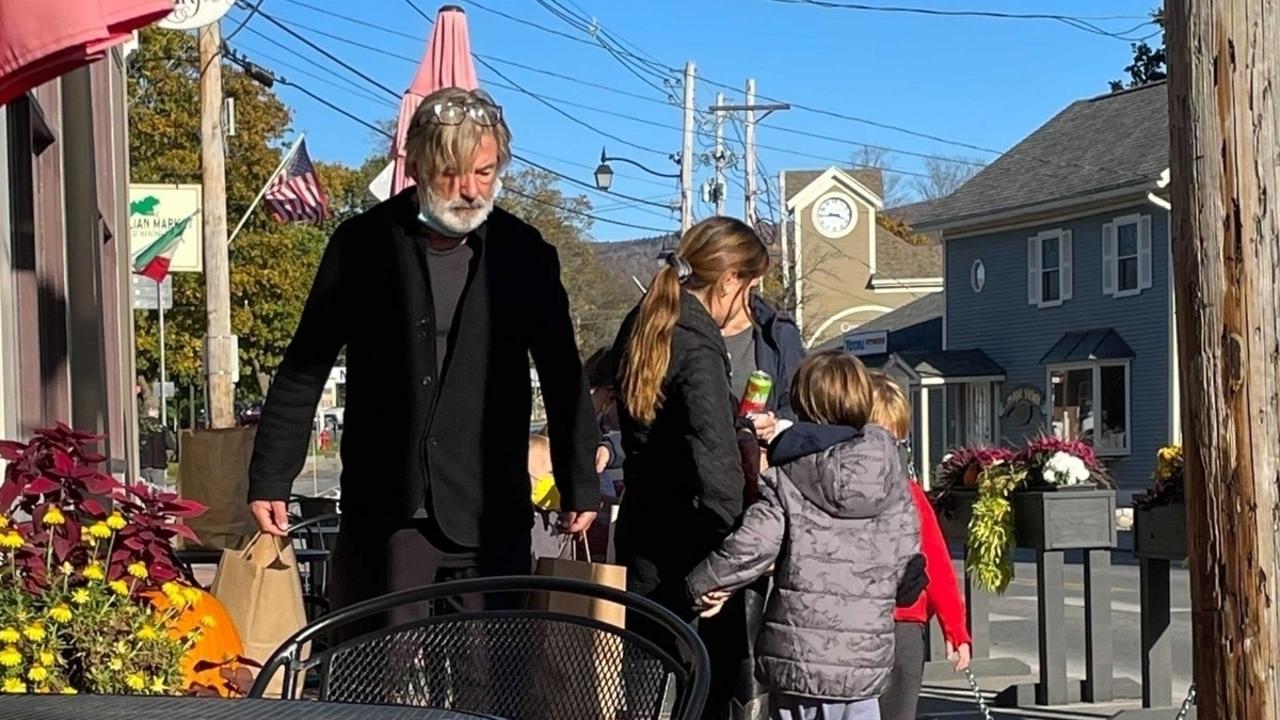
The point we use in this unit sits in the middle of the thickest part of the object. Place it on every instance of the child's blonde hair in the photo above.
(890, 408)
(832, 388)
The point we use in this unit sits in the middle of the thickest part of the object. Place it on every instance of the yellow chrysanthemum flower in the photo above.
(37, 673)
(147, 633)
(118, 587)
(93, 571)
(54, 516)
(115, 664)
(61, 613)
(35, 633)
(158, 687)
(67, 569)
(11, 540)
(4, 522)
(9, 636)
(170, 588)
(116, 521)
(138, 570)
(208, 622)
(135, 681)
(14, 686)
(68, 690)
(46, 658)
(80, 596)
(10, 657)
(100, 530)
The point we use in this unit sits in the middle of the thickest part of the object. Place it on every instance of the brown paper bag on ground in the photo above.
(262, 592)
(213, 469)
(566, 682)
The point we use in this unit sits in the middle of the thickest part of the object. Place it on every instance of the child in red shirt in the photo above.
(941, 596)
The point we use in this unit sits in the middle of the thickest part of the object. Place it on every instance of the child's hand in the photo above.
(709, 605)
(960, 656)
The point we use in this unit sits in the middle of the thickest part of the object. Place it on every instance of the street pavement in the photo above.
(1013, 629)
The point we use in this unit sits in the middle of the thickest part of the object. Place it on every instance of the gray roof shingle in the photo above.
(897, 259)
(1105, 142)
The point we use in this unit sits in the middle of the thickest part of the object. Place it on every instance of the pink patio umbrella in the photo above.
(447, 63)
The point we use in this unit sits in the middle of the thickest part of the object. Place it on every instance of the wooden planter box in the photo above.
(1160, 533)
(1063, 519)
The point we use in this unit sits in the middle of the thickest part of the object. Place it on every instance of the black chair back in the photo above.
(489, 646)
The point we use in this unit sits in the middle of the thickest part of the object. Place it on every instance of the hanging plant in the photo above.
(991, 539)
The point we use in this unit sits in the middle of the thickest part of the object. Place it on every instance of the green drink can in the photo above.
(756, 397)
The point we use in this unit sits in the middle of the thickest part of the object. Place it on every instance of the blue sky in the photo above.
(979, 81)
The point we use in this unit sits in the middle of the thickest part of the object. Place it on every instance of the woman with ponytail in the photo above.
(684, 473)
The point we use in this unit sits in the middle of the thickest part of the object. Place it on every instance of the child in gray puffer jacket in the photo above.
(836, 521)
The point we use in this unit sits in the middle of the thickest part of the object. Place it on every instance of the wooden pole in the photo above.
(1224, 72)
(217, 276)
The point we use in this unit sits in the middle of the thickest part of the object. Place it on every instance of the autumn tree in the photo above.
(272, 264)
(944, 176)
(1148, 63)
(599, 297)
(894, 193)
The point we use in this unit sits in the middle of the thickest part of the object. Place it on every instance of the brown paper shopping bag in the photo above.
(565, 679)
(213, 469)
(262, 591)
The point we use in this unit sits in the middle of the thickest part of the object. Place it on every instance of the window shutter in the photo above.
(1144, 252)
(1033, 271)
(1065, 275)
(1109, 262)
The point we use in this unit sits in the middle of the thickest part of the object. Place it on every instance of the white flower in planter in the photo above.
(1065, 469)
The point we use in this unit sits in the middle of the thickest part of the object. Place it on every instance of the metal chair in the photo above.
(315, 534)
(508, 660)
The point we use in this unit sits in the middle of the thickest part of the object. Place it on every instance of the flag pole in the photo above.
(164, 400)
(253, 205)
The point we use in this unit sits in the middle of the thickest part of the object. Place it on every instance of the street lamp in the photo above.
(604, 173)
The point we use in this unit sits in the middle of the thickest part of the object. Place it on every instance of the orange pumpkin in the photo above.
(217, 644)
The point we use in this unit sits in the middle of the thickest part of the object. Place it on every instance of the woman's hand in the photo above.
(960, 656)
(709, 605)
(766, 424)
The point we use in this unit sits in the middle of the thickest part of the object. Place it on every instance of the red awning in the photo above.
(40, 41)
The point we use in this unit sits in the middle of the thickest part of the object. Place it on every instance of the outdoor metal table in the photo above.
(126, 707)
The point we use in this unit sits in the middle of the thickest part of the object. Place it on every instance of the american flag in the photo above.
(295, 194)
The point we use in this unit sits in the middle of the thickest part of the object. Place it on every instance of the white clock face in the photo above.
(834, 216)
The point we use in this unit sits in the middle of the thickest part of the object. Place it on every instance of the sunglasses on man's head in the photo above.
(453, 113)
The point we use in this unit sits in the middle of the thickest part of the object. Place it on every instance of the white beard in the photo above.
(458, 216)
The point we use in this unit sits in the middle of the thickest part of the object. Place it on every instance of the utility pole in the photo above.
(219, 344)
(720, 157)
(1223, 125)
(749, 141)
(686, 151)
(749, 213)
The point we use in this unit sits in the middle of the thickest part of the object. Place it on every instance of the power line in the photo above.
(408, 36)
(343, 83)
(244, 64)
(575, 181)
(583, 213)
(590, 29)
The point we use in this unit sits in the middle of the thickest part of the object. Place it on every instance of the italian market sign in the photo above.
(154, 209)
(192, 14)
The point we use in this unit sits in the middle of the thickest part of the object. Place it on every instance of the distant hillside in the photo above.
(638, 258)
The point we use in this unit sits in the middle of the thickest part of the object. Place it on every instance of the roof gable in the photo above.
(804, 187)
(1103, 143)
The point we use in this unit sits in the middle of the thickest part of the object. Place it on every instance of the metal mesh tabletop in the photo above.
(123, 707)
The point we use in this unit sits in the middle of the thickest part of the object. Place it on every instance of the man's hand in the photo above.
(960, 656)
(272, 516)
(709, 605)
(572, 523)
(766, 426)
(602, 458)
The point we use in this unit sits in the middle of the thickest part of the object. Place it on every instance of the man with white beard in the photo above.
(439, 298)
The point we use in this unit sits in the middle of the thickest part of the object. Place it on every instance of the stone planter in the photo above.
(1160, 533)
(1059, 519)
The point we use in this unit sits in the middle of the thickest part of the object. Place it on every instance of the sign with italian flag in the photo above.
(154, 210)
(153, 262)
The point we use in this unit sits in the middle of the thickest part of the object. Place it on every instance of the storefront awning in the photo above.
(939, 367)
(1086, 346)
(40, 41)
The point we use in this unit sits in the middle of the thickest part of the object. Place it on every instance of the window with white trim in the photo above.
(1091, 403)
(1126, 256)
(1049, 276)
